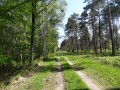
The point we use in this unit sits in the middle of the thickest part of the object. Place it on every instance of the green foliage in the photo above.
(15, 28)
(6, 61)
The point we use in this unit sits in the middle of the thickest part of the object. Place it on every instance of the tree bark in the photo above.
(94, 29)
(111, 31)
(32, 32)
(100, 35)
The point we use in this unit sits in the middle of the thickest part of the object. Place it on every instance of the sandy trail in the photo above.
(59, 77)
(89, 82)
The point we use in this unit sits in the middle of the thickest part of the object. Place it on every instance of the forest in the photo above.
(96, 29)
(88, 57)
(28, 29)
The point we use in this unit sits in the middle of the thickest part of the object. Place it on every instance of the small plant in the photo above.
(6, 61)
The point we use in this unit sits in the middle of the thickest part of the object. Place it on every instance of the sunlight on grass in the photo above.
(106, 75)
(73, 82)
(39, 78)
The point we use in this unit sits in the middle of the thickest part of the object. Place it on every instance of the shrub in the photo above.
(6, 61)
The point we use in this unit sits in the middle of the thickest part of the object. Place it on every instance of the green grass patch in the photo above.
(73, 82)
(39, 78)
(38, 81)
(114, 61)
(107, 75)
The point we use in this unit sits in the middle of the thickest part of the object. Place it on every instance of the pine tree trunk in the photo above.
(94, 30)
(100, 35)
(111, 32)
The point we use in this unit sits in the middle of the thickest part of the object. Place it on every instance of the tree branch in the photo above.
(8, 10)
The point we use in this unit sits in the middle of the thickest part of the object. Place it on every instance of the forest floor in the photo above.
(45, 75)
(70, 72)
(40, 77)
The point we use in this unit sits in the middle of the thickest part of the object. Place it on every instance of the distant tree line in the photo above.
(95, 29)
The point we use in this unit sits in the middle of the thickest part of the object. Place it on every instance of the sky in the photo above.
(73, 6)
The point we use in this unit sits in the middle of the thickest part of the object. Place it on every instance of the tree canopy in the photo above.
(95, 29)
(28, 28)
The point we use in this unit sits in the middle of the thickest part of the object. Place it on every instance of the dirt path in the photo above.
(91, 85)
(17, 83)
(59, 77)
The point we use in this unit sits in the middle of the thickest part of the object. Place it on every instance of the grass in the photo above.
(107, 75)
(114, 61)
(38, 81)
(41, 76)
(73, 81)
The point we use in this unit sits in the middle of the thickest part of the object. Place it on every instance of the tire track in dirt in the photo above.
(89, 82)
(59, 77)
